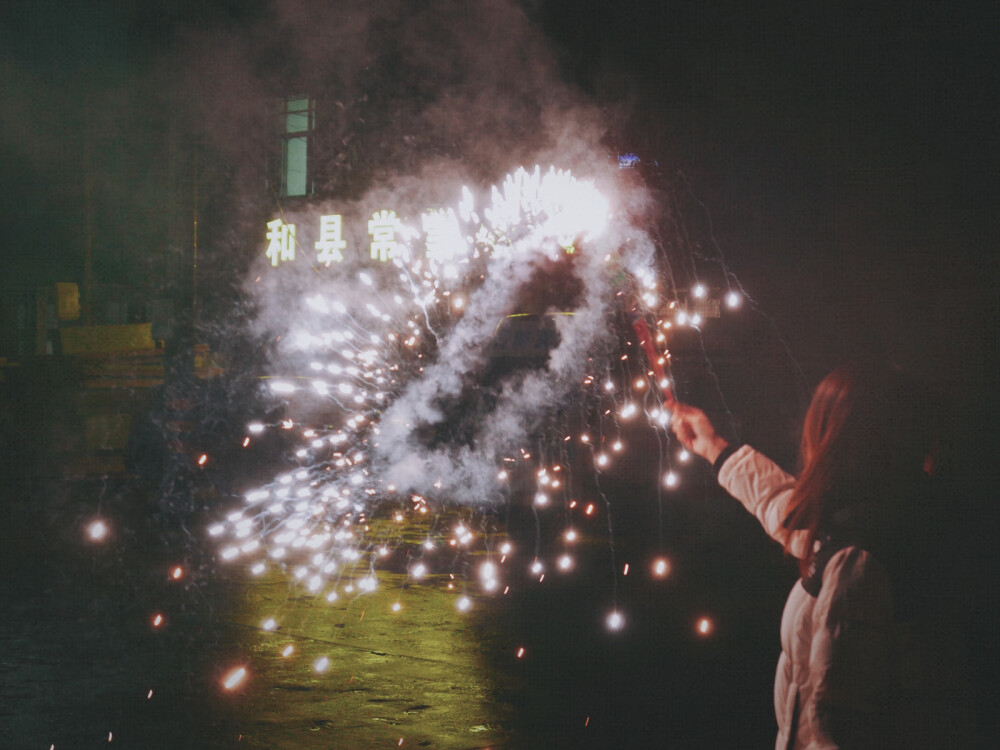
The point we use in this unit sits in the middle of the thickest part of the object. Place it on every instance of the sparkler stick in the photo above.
(653, 357)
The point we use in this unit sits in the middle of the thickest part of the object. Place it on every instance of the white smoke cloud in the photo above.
(445, 94)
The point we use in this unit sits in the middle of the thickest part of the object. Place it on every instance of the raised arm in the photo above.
(761, 486)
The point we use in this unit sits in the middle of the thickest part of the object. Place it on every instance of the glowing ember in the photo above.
(235, 678)
(98, 531)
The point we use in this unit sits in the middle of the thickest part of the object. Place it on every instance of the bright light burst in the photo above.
(615, 620)
(373, 376)
(98, 531)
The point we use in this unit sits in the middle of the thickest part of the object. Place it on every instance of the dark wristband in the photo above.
(724, 456)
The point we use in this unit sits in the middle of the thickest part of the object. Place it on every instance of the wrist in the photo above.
(715, 449)
(723, 457)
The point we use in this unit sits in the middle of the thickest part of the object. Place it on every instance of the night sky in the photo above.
(843, 157)
(845, 154)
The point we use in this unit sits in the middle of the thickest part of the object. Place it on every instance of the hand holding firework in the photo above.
(695, 431)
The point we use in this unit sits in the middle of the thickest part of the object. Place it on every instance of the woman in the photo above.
(868, 657)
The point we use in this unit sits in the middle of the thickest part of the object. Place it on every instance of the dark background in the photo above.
(842, 157)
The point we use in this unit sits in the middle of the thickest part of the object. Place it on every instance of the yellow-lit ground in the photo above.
(402, 668)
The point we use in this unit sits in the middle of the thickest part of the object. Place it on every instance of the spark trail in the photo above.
(393, 400)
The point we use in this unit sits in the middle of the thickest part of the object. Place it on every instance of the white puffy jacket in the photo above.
(851, 675)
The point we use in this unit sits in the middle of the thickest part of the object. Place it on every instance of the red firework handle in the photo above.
(653, 357)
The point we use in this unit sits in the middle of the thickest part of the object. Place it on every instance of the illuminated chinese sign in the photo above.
(331, 242)
(281, 241)
(386, 239)
(383, 227)
(531, 212)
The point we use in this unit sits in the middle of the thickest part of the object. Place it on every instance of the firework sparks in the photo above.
(234, 678)
(98, 531)
(661, 567)
(383, 356)
(386, 357)
(615, 620)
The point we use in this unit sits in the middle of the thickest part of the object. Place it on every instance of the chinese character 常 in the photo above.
(382, 227)
(281, 237)
(331, 241)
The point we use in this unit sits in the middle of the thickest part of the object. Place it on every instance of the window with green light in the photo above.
(297, 121)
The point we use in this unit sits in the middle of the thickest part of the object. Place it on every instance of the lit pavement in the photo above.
(86, 663)
(83, 663)
(412, 677)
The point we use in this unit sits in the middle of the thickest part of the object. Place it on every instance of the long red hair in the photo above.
(865, 439)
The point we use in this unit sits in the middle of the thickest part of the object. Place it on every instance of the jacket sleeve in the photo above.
(765, 490)
(849, 695)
